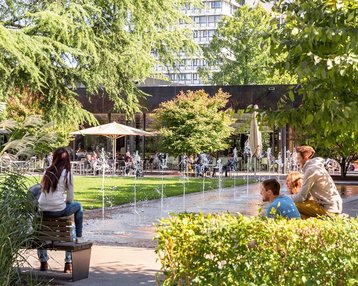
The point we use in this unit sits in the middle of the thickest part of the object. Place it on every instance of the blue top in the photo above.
(283, 206)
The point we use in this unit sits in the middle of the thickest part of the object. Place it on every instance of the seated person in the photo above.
(280, 205)
(201, 165)
(218, 167)
(318, 184)
(42, 255)
(128, 161)
(294, 182)
(230, 165)
(56, 198)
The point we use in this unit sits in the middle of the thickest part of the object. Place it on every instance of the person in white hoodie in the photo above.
(317, 184)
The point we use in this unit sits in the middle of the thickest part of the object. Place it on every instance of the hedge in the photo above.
(213, 249)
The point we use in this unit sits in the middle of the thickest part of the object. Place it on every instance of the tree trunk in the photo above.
(344, 167)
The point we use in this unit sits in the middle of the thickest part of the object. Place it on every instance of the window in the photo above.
(195, 76)
(211, 33)
(195, 62)
(215, 5)
(181, 76)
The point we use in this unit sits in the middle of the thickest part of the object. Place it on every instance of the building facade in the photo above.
(205, 23)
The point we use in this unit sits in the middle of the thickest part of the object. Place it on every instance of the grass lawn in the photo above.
(120, 190)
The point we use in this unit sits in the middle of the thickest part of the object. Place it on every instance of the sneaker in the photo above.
(68, 268)
(44, 266)
(79, 240)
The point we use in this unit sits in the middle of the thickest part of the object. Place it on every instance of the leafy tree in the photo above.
(48, 48)
(240, 50)
(194, 122)
(320, 41)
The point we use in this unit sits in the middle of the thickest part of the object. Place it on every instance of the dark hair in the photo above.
(273, 185)
(60, 162)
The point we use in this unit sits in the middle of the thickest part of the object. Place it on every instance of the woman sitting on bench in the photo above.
(56, 199)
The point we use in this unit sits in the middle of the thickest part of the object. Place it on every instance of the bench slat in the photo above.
(54, 238)
(56, 223)
(54, 233)
(53, 228)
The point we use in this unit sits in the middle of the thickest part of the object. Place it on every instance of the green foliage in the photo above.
(240, 50)
(48, 48)
(16, 215)
(32, 136)
(319, 39)
(235, 250)
(194, 123)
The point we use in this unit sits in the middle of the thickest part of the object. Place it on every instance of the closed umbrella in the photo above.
(113, 130)
(255, 137)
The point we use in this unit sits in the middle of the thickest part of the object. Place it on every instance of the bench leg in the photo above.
(80, 264)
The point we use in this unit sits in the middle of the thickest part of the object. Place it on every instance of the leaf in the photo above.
(295, 31)
(309, 119)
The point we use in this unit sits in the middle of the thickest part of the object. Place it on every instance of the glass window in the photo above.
(211, 19)
(215, 5)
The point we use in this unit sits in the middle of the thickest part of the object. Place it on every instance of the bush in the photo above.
(16, 213)
(195, 249)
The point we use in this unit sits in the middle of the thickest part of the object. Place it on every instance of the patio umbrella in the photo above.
(113, 130)
(255, 138)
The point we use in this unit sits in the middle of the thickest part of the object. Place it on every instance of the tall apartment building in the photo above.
(205, 20)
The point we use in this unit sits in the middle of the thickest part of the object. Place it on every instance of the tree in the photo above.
(320, 40)
(240, 50)
(48, 48)
(194, 123)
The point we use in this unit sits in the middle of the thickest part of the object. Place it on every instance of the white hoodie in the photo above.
(319, 184)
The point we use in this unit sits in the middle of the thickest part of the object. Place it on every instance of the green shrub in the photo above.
(16, 213)
(197, 249)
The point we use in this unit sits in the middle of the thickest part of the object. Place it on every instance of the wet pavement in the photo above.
(133, 225)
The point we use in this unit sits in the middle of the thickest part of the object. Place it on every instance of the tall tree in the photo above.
(194, 123)
(320, 40)
(240, 50)
(48, 48)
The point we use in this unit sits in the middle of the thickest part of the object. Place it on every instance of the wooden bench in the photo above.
(56, 234)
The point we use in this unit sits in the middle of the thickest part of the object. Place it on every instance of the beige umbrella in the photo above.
(255, 137)
(113, 130)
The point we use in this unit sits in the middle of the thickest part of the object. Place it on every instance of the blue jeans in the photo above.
(71, 208)
(43, 256)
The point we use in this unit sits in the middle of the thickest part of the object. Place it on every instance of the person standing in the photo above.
(280, 205)
(318, 184)
(56, 198)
